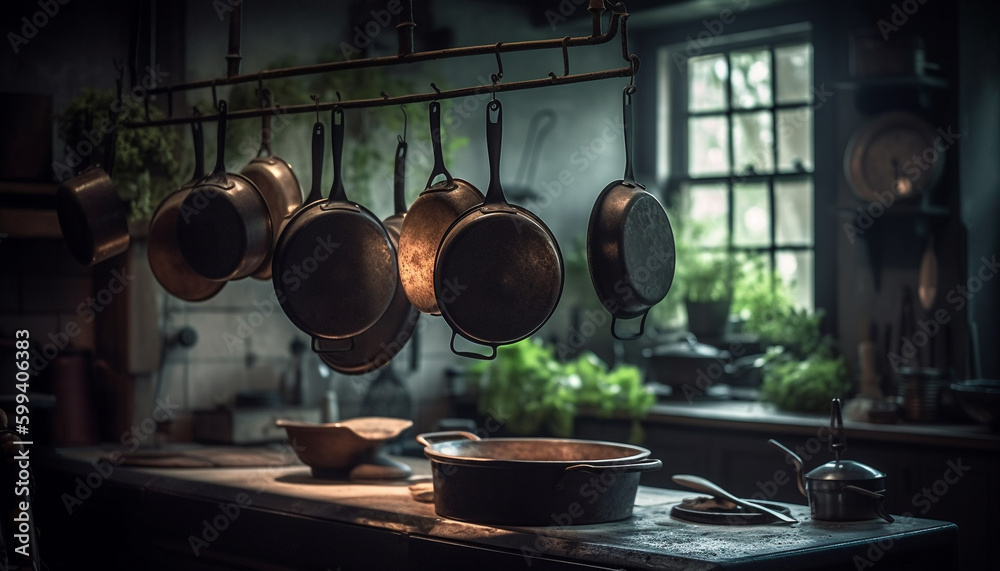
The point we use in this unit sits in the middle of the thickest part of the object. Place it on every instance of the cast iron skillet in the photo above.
(630, 245)
(91, 215)
(379, 344)
(277, 184)
(499, 272)
(334, 266)
(224, 231)
(165, 259)
(429, 217)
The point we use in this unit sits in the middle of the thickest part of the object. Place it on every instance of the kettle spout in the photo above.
(800, 479)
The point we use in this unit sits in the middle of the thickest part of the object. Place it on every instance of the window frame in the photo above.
(673, 133)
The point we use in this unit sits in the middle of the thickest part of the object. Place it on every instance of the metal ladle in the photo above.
(702, 485)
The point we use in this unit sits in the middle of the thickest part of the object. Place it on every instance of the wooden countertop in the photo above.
(651, 539)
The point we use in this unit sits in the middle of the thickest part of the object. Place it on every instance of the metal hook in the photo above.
(634, 65)
(405, 121)
(215, 97)
(435, 88)
(315, 99)
(338, 96)
(260, 88)
(565, 54)
(385, 97)
(499, 74)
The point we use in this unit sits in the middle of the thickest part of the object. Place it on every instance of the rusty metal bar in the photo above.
(484, 90)
(415, 57)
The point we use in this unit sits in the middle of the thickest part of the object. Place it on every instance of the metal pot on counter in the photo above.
(533, 481)
(841, 490)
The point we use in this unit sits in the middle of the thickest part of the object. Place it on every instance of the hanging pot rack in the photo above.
(406, 55)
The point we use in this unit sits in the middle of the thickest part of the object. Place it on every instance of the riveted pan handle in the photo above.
(470, 354)
(429, 438)
(624, 468)
(438, 169)
(642, 328)
(494, 140)
(318, 147)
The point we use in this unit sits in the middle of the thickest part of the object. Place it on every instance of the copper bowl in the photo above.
(337, 450)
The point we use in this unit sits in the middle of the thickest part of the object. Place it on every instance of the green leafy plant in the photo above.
(540, 393)
(146, 167)
(803, 385)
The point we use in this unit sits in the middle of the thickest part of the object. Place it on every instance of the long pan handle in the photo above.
(318, 148)
(434, 112)
(337, 191)
(494, 142)
(399, 178)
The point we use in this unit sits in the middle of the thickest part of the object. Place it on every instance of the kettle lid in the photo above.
(840, 470)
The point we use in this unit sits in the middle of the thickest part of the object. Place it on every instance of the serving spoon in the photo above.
(702, 485)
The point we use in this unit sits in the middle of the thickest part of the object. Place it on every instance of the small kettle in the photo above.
(841, 490)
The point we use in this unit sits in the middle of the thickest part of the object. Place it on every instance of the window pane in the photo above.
(707, 215)
(796, 270)
(753, 142)
(794, 210)
(751, 215)
(751, 78)
(706, 83)
(795, 140)
(793, 66)
(708, 146)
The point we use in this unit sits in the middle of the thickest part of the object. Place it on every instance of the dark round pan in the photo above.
(165, 259)
(224, 229)
(334, 267)
(277, 184)
(524, 481)
(630, 245)
(499, 272)
(428, 219)
(379, 344)
(91, 215)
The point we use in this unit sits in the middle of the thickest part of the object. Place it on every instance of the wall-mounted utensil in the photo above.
(165, 258)
(334, 262)
(499, 273)
(379, 344)
(630, 244)
(224, 230)
(428, 219)
(276, 181)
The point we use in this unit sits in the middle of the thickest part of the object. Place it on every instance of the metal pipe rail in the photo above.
(618, 22)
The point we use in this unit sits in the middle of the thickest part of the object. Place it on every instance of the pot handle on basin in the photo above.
(628, 468)
(879, 507)
(429, 438)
